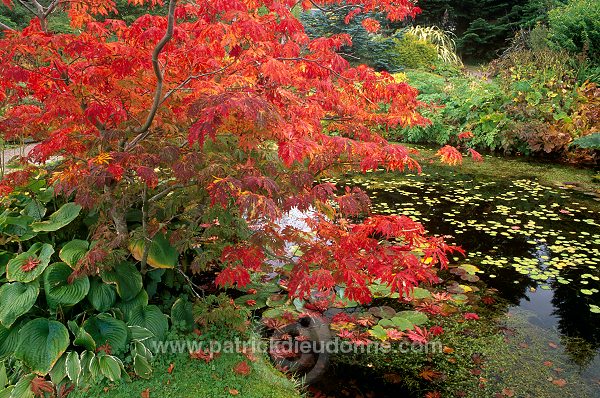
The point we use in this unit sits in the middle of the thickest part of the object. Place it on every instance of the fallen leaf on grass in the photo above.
(170, 368)
(508, 392)
(145, 393)
(242, 368)
(559, 382)
(233, 391)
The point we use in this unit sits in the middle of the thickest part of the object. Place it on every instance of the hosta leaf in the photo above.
(34, 209)
(110, 367)
(9, 341)
(105, 329)
(142, 367)
(23, 387)
(139, 333)
(127, 307)
(102, 296)
(59, 370)
(73, 366)
(181, 314)
(7, 392)
(60, 289)
(82, 337)
(39, 255)
(60, 218)
(160, 254)
(73, 251)
(126, 278)
(151, 318)
(16, 299)
(41, 343)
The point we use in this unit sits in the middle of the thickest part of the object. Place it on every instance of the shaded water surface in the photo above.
(538, 245)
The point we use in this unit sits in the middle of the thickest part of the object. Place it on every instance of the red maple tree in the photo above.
(220, 104)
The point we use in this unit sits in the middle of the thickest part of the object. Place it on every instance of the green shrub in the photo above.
(412, 52)
(575, 27)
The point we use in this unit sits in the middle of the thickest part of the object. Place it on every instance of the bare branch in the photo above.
(6, 27)
(193, 77)
(165, 192)
(51, 8)
(143, 131)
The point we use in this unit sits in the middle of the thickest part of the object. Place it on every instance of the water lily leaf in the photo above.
(59, 219)
(160, 254)
(16, 299)
(378, 332)
(41, 343)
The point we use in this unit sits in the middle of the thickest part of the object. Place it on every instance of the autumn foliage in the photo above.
(222, 105)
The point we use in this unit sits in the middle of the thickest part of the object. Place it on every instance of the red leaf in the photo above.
(371, 25)
(242, 368)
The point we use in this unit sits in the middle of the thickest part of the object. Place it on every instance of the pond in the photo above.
(539, 246)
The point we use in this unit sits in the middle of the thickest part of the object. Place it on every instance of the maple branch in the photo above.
(147, 241)
(193, 77)
(144, 131)
(51, 8)
(165, 192)
(6, 27)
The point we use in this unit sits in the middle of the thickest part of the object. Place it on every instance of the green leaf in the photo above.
(420, 293)
(110, 367)
(59, 370)
(378, 332)
(60, 218)
(73, 251)
(7, 392)
(181, 313)
(82, 337)
(415, 317)
(105, 329)
(34, 209)
(73, 366)
(142, 367)
(23, 387)
(151, 318)
(41, 343)
(39, 252)
(16, 299)
(60, 290)
(160, 254)
(9, 341)
(102, 296)
(126, 278)
(589, 141)
(127, 307)
(94, 368)
(3, 376)
(139, 333)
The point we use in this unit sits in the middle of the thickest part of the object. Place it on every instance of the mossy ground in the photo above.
(193, 378)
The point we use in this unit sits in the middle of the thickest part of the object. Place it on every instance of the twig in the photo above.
(144, 130)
